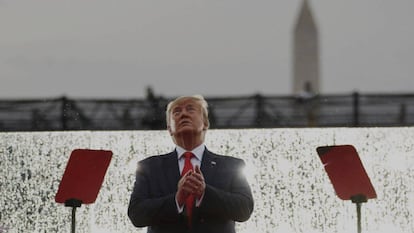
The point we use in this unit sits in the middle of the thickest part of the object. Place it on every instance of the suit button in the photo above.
(202, 220)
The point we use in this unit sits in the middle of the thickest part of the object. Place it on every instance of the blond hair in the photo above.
(197, 98)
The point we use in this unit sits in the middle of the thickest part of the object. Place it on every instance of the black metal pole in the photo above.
(358, 206)
(259, 111)
(74, 203)
(358, 200)
(64, 112)
(355, 96)
(73, 219)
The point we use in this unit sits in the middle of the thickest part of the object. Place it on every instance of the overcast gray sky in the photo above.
(115, 48)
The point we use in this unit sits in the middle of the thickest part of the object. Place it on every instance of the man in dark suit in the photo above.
(172, 195)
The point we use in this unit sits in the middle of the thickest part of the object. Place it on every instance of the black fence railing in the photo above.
(355, 110)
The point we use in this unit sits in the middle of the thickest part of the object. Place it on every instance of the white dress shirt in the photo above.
(196, 161)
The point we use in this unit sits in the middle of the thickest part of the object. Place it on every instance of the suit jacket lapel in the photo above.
(172, 172)
(208, 165)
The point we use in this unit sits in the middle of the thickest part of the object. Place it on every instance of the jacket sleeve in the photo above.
(231, 197)
(147, 209)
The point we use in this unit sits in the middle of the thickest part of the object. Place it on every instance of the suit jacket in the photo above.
(227, 197)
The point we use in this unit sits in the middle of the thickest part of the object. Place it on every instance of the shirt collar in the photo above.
(198, 151)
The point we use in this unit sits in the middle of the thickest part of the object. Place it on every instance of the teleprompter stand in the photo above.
(74, 203)
(347, 175)
(82, 179)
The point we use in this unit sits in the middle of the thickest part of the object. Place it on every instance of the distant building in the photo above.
(305, 54)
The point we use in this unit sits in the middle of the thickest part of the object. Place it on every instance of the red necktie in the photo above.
(189, 202)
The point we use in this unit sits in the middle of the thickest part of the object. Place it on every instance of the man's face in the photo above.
(186, 116)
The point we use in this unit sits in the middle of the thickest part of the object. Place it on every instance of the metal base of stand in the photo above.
(358, 200)
(74, 203)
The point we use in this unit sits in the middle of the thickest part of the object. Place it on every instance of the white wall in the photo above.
(291, 189)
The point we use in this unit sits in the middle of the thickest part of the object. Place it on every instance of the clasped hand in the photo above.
(191, 183)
